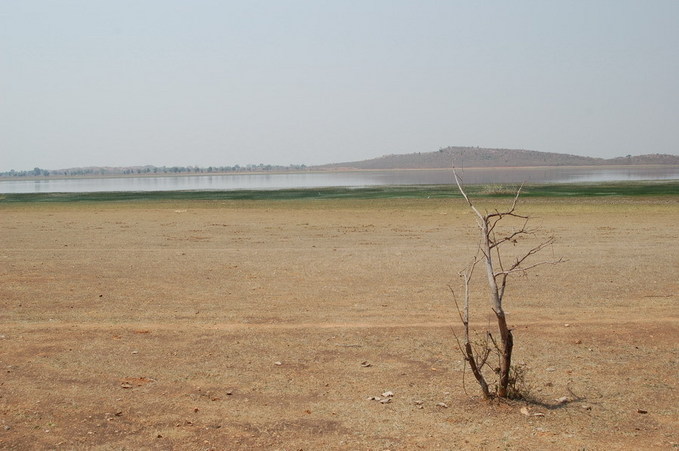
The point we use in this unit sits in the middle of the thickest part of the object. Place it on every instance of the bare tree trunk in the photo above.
(497, 273)
(506, 338)
(468, 351)
(506, 347)
(476, 371)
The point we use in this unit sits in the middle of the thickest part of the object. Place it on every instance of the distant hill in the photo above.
(471, 157)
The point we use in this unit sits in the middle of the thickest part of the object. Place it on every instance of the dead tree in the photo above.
(490, 253)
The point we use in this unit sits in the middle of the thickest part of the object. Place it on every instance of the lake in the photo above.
(272, 181)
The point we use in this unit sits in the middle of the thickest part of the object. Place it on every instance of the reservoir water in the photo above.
(272, 181)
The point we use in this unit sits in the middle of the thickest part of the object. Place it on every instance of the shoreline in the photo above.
(317, 170)
(649, 188)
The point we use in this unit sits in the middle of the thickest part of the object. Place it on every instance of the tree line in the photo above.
(151, 170)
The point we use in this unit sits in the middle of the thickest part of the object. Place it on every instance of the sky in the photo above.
(220, 83)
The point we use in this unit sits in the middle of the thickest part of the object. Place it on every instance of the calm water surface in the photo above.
(338, 179)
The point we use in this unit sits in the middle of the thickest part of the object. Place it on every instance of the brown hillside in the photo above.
(480, 157)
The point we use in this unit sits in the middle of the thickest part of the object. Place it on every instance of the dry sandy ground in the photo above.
(246, 325)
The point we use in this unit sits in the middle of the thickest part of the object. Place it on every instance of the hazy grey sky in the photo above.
(197, 82)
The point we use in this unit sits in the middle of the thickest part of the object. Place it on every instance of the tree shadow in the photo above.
(560, 403)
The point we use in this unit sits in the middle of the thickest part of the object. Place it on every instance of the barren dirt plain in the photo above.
(269, 324)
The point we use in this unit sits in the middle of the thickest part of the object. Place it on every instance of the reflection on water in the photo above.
(346, 179)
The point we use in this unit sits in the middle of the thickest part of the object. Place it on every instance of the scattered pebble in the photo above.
(525, 411)
(562, 400)
(278, 363)
(587, 407)
(642, 411)
(442, 404)
(550, 369)
(384, 399)
(365, 364)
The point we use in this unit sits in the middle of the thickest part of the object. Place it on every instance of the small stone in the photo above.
(419, 402)
(365, 364)
(538, 414)
(587, 407)
(442, 404)
(578, 342)
(524, 411)
(642, 411)
(388, 394)
(562, 400)
(550, 369)
(374, 398)
(135, 352)
(385, 400)
(278, 363)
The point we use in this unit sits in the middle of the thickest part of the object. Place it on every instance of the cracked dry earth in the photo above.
(250, 325)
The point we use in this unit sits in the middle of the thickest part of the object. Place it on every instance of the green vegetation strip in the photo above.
(645, 188)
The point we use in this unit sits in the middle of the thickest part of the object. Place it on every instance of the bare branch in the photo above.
(517, 264)
(457, 306)
(459, 345)
(516, 198)
(464, 194)
(513, 236)
(534, 265)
